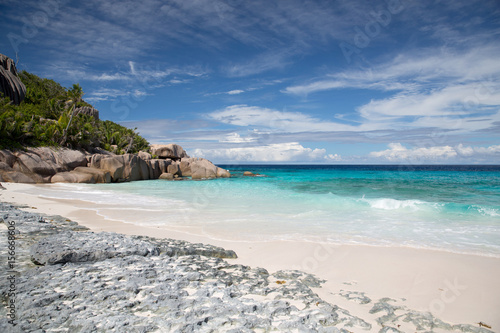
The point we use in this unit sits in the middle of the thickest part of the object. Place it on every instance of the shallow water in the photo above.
(451, 208)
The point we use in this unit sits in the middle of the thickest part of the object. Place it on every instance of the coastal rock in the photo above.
(128, 167)
(20, 177)
(203, 169)
(41, 164)
(73, 177)
(10, 84)
(223, 173)
(88, 111)
(173, 169)
(166, 176)
(46, 161)
(74, 247)
(32, 162)
(114, 165)
(100, 176)
(157, 167)
(7, 157)
(145, 156)
(67, 158)
(172, 151)
(185, 167)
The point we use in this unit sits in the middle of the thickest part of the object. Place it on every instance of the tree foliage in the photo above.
(46, 117)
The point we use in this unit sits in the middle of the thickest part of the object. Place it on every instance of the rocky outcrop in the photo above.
(171, 151)
(69, 279)
(10, 84)
(88, 111)
(49, 165)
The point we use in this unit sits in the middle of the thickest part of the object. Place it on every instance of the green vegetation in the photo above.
(47, 117)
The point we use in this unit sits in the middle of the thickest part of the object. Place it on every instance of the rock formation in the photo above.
(10, 84)
(171, 151)
(49, 165)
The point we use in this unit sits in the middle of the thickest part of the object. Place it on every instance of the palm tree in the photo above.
(75, 95)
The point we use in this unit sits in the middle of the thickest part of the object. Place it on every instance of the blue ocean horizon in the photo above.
(454, 208)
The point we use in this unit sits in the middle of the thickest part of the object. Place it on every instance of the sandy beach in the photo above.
(455, 288)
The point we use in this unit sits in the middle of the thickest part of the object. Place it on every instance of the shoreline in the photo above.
(457, 288)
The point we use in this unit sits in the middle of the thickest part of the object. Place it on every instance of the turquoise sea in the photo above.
(449, 208)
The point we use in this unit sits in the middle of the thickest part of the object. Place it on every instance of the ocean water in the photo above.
(449, 208)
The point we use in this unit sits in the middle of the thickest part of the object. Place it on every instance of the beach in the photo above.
(456, 288)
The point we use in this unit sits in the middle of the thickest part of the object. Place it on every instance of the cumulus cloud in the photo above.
(399, 153)
(278, 152)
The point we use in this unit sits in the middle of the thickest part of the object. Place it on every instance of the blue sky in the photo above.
(296, 81)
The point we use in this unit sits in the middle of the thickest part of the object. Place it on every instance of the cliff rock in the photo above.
(10, 84)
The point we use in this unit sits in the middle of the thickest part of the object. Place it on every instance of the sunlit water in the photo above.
(453, 208)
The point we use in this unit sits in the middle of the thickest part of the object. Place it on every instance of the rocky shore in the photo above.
(65, 278)
(62, 165)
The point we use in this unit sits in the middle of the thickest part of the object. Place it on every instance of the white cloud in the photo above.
(303, 90)
(236, 138)
(244, 115)
(235, 92)
(399, 153)
(278, 152)
(444, 89)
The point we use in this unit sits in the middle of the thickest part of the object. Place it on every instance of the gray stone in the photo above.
(105, 282)
(73, 246)
(10, 84)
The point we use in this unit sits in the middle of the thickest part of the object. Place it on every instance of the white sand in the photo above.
(456, 288)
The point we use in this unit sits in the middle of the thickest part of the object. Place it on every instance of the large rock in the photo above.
(145, 156)
(20, 177)
(10, 84)
(46, 161)
(7, 157)
(100, 176)
(166, 176)
(157, 167)
(127, 167)
(223, 173)
(173, 169)
(185, 167)
(172, 151)
(73, 177)
(68, 158)
(203, 169)
(114, 165)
